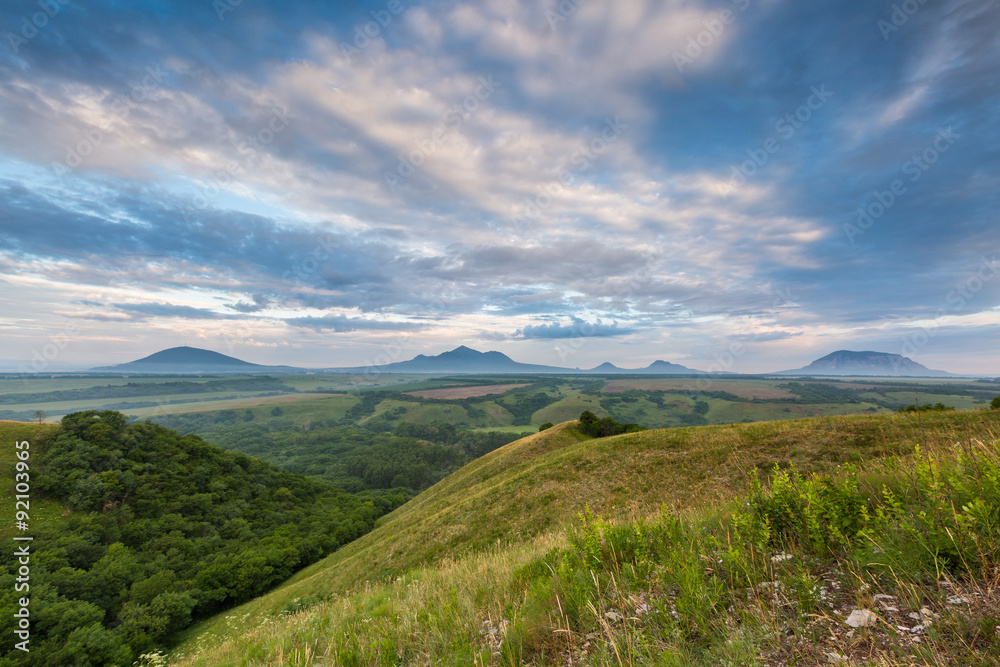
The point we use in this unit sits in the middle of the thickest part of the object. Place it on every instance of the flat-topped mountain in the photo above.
(191, 360)
(847, 362)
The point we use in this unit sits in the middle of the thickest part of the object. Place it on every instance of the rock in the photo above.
(780, 557)
(836, 658)
(957, 599)
(861, 618)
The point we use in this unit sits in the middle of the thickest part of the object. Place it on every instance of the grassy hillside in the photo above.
(441, 578)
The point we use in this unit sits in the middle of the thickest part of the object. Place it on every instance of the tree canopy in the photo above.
(160, 530)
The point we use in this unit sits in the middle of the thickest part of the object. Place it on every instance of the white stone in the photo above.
(861, 618)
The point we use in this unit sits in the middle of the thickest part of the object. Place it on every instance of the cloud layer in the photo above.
(317, 184)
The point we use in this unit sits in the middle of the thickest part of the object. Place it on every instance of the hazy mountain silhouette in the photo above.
(463, 360)
(847, 362)
(192, 360)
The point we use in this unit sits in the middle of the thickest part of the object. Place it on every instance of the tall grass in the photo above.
(766, 577)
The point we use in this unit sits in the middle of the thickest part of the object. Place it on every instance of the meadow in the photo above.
(747, 544)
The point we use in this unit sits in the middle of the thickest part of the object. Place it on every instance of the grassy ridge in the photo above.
(443, 567)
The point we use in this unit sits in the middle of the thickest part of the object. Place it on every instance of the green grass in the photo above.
(474, 550)
(41, 383)
(40, 512)
(931, 397)
(568, 408)
(302, 408)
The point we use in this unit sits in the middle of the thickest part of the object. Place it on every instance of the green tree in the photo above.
(996, 403)
(40, 415)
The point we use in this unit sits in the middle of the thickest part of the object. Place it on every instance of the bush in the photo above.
(996, 403)
(591, 425)
(544, 426)
(927, 407)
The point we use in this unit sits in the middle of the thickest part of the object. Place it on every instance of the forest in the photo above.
(410, 456)
(159, 530)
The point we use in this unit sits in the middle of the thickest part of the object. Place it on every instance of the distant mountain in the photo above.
(658, 367)
(464, 360)
(191, 360)
(847, 362)
(661, 367)
(607, 367)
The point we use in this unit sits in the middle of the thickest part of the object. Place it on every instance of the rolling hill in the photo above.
(452, 575)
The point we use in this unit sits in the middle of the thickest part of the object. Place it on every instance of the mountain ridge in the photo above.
(466, 360)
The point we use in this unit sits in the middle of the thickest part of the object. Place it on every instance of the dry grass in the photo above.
(506, 504)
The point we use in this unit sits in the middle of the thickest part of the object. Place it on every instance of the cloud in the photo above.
(584, 180)
(343, 324)
(577, 328)
(144, 310)
(260, 302)
(766, 336)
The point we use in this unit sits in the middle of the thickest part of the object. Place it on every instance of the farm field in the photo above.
(466, 392)
(747, 388)
(380, 403)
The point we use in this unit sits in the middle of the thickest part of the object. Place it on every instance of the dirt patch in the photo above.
(451, 393)
(743, 390)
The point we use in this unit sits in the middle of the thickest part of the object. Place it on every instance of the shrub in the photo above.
(591, 425)
(544, 426)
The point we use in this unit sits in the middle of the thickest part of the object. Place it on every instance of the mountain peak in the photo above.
(191, 355)
(463, 353)
(186, 359)
(606, 366)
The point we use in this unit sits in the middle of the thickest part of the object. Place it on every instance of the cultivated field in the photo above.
(452, 393)
(742, 388)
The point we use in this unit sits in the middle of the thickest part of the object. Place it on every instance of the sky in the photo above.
(738, 185)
